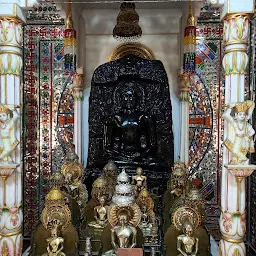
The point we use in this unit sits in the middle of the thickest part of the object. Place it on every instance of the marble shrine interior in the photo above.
(127, 128)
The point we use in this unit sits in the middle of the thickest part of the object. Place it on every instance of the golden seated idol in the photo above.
(55, 243)
(56, 227)
(100, 214)
(124, 216)
(187, 244)
(180, 238)
(148, 223)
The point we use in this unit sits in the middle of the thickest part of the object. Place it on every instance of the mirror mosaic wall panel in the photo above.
(205, 122)
(48, 107)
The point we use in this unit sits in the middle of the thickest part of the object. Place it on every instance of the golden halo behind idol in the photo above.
(132, 211)
(56, 211)
(56, 207)
(72, 169)
(185, 214)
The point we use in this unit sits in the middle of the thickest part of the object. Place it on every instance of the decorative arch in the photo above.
(137, 49)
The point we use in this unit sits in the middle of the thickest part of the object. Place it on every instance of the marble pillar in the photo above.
(232, 222)
(78, 88)
(184, 117)
(11, 22)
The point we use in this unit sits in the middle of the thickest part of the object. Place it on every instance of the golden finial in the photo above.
(191, 18)
(55, 195)
(100, 182)
(69, 21)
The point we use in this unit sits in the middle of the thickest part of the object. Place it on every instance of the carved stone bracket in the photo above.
(241, 171)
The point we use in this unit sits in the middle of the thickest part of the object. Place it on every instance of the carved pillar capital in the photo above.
(235, 37)
(78, 88)
(78, 92)
(184, 87)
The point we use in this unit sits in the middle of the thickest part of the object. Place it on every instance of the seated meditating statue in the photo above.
(139, 181)
(100, 188)
(191, 238)
(123, 235)
(130, 134)
(148, 223)
(97, 210)
(55, 243)
(56, 224)
(124, 216)
(100, 214)
(187, 244)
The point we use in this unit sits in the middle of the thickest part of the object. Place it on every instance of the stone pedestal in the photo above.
(130, 251)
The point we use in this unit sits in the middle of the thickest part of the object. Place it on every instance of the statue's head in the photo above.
(4, 112)
(179, 174)
(240, 116)
(240, 110)
(110, 169)
(102, 200)
(139, 171)
(129, 99)
(144, 194)
(54, 226)
(123, 217)
(188, 229)
(68, 178)
(194, 198)
(144, 209)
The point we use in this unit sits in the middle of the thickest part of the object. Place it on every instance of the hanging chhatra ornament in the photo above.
(189, 58)
(70, 42)
(127, 27)
(190, 43)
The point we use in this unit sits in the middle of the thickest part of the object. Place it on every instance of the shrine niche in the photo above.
(130, 117)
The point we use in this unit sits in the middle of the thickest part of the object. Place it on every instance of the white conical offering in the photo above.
(124, 191)
(123, 177)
